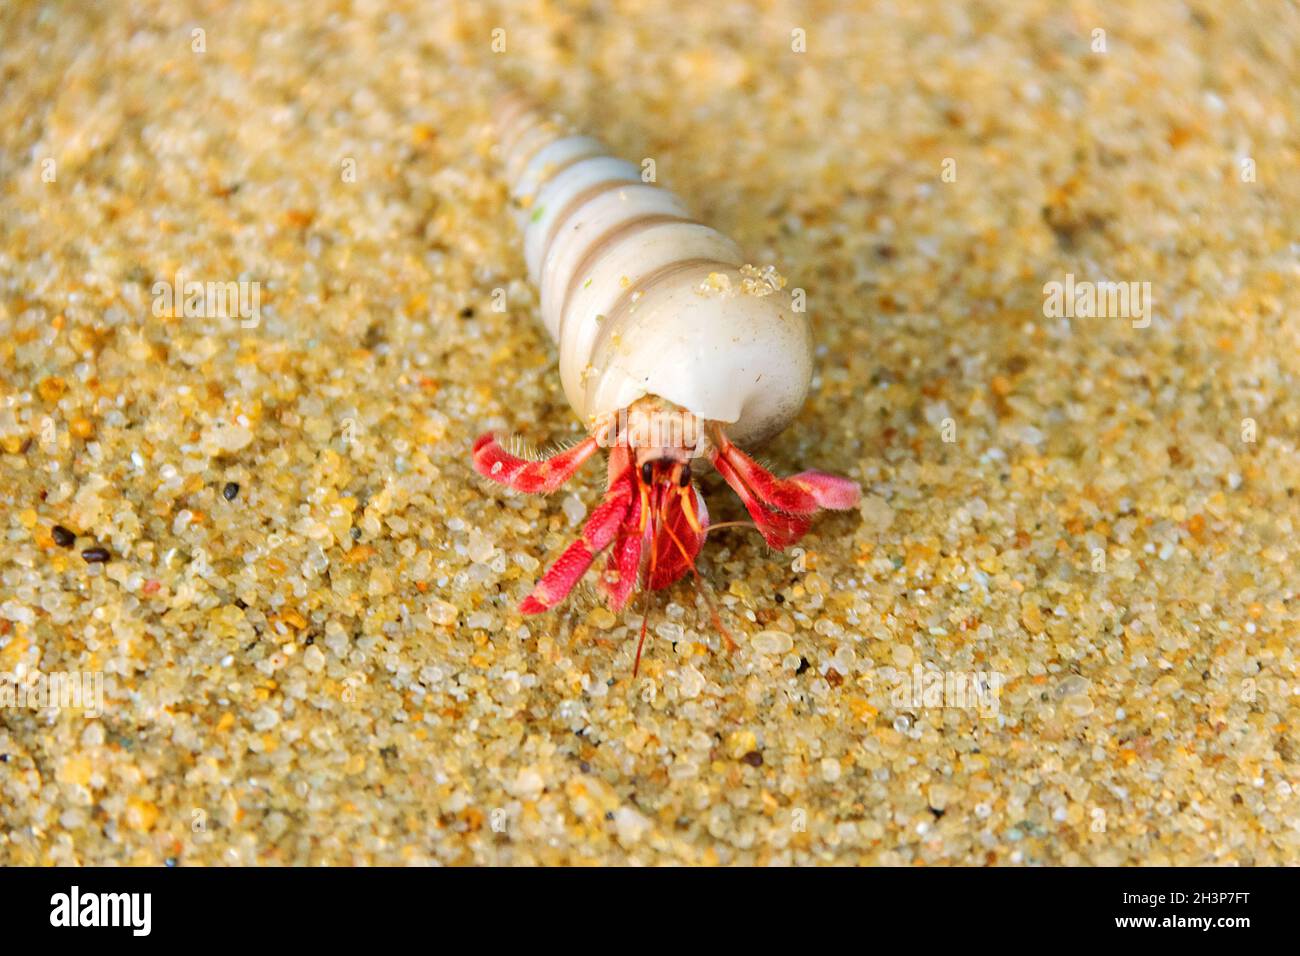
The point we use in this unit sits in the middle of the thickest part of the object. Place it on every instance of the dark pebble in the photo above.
(95, 555)
(231, 489)
(62, 536)
(753, 758)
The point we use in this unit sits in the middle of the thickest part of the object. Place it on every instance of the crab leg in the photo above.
(801, 494)
(532, 477)
(624, 564)
(781, 507)
(569, 567)
(779, 530)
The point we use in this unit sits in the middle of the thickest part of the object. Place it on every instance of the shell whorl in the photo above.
(641, 299)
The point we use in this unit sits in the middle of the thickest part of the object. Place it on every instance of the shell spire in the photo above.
(640, 298)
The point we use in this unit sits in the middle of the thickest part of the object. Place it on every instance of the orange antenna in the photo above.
(722, 525)
(645, 615)
(706, 590)
(645, 619)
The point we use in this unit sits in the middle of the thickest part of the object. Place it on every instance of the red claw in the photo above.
(652, 515)
(677, 543)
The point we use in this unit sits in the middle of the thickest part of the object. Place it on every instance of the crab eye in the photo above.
(684, 478)
(647, 472)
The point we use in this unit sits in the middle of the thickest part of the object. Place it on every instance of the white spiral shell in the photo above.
(640, 299)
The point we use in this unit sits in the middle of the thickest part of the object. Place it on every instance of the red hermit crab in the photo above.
(671, 351)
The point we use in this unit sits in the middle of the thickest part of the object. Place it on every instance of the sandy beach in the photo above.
(242, 530)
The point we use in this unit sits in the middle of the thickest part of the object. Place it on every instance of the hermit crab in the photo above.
(672, 352)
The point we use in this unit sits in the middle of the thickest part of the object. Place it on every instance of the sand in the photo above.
(1061, 629)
